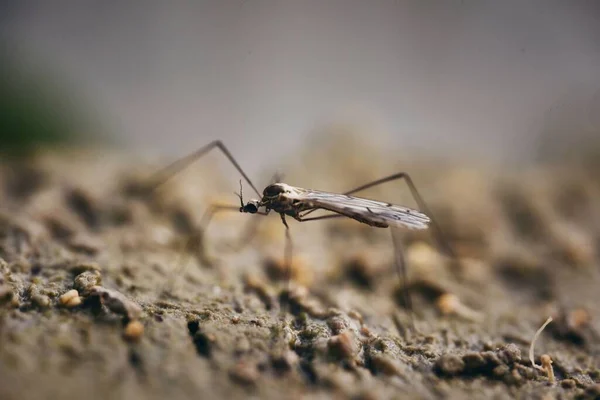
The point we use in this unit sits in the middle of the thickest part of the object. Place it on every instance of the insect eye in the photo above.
(273, 190)
(250, 208)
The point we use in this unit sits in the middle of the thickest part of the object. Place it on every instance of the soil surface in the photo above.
(104, 295)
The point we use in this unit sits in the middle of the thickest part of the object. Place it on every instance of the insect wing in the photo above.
(365, 210)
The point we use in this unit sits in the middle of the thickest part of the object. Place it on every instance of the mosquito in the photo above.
(298, 203)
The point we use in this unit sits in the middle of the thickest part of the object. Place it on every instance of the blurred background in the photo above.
(504, 82)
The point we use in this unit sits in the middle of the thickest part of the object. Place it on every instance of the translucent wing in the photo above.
(371, 212)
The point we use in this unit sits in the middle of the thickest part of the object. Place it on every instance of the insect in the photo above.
(298, 203)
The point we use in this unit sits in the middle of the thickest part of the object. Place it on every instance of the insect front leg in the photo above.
(172, 169)
(197, 238)
(196, 243)
(207, 217)
(249, 231)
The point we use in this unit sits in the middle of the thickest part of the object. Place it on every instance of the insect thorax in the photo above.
(282, 198)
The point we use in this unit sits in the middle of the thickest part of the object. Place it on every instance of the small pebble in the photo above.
(299, 297)
(527, 372)
(355, 315)
(365, 331)
(423, 258)
(450, 364)
(242, 345)
(578, 318)
(473, 361)
(341, 346)
(86, 280)
(567, 383)
(253, 284)
(577, 247)
(450, 304)
(244, 373)
(117, 302)
(337, 325)
(6, 294)
(501, 370)
(594, 374)
(284, 362)
(67, 297)
(510, 353)
(41, 300)
(134, 330)
(361, 272)
(514, 378)
(74, 302)
(277, 270)
(386, 365)
(85, 243)
(591, 392)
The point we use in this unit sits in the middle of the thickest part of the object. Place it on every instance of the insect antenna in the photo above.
(240, 195)
(252, 226)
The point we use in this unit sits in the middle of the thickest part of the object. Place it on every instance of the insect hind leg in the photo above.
(400, 263)
(438, 234)
(196, 243)
(287, 259)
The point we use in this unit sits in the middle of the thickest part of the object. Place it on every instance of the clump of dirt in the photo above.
(107, 291)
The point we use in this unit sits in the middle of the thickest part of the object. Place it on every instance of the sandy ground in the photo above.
(143, 319)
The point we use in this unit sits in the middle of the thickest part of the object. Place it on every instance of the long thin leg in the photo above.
(181, 266)
(169, 171)
(212, 210)
(215, 208)
(199, 236)
(287, 263)
(328, 216)
(438, 234)
(252, 226)
(400, 263)
(399, 260)
(248, 234)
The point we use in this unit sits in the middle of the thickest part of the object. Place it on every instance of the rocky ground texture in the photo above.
(103, 295)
